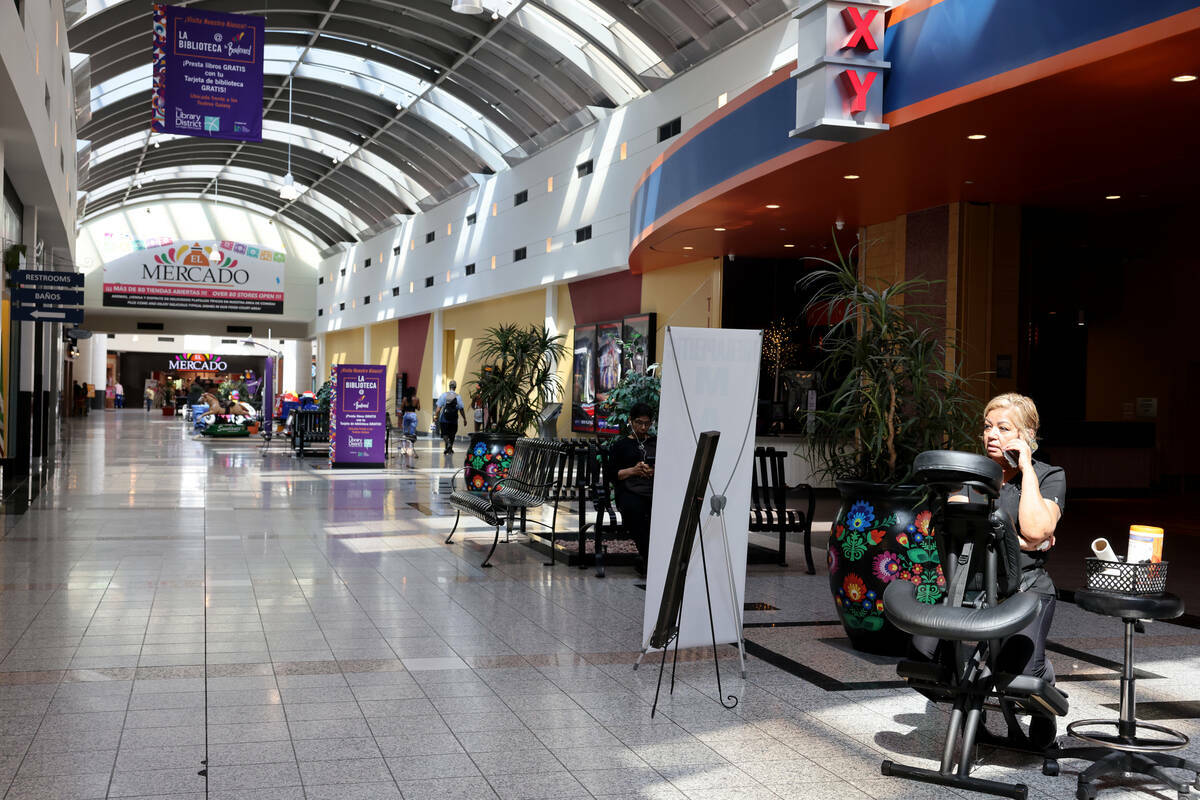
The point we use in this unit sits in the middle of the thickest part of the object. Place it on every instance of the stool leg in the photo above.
(1127, 727)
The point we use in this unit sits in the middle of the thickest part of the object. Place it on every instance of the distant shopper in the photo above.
(477, 406)
(409, 406)
(631, 469)
(119, 395)
(449, 408)
(149, 398)
(194, 392)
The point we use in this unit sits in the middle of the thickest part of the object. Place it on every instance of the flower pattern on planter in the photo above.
(487, 463)
(910, 553)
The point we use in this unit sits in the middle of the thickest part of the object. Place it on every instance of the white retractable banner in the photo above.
(709, 383)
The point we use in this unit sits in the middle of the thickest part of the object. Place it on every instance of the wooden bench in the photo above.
(769, 510)
(309, 426)
(530, 479)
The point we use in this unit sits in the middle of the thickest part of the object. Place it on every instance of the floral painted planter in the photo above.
(880, 536)
(489, 455)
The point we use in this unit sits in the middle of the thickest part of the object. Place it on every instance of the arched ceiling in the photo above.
(388, 105)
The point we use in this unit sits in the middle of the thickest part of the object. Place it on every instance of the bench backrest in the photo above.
(535, 465)
(768, 488)
(312, 421)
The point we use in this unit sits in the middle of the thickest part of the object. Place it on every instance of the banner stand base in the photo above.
(358, 465)
(721, 698)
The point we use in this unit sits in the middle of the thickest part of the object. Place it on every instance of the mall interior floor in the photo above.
(186, 619)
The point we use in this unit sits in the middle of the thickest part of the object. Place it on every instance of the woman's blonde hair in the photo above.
(1024, 413)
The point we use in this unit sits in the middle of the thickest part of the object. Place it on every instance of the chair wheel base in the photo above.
(1050, 768)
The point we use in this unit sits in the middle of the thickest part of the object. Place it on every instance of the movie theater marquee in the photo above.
(840, 69)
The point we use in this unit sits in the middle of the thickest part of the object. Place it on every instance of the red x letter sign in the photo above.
(860, 28)
(858, 88)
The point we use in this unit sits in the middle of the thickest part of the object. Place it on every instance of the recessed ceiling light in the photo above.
(718, 229)
(688, 247)
(1183, 78)
(968, 182)
(977, 136)
(1112, 197)
(789, 245)
(850, 177)
(772, 205)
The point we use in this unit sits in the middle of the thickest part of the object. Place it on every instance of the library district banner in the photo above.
(208, 73)
(198, 276)
(357, 419)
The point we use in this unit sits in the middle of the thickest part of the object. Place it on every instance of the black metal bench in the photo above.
(531, 476)
(769, 510)
(309, 426)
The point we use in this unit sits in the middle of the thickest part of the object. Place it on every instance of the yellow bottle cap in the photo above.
(1145, 529)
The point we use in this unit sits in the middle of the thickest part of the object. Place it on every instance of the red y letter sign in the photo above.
(858, 88)
(860, 28)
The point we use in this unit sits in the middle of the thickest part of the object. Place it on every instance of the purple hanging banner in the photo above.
(208, 73)
(357, 421)
(268, 412)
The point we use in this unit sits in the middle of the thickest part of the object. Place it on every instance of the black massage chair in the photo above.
(983, 604)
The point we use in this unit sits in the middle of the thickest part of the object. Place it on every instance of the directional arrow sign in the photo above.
(40, 296)
(36, 314)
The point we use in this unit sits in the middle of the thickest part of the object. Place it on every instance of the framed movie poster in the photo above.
(639, 340)
(608, 369)
(583, 388)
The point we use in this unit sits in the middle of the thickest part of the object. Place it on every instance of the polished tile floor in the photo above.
(170, 606)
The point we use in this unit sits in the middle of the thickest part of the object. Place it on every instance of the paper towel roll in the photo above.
(1103, 551)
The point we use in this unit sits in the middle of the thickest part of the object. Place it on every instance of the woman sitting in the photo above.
(1033, 495)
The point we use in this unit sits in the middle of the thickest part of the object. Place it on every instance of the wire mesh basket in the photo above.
(1143, 577)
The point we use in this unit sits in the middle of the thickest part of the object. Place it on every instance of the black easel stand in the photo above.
(733, 701)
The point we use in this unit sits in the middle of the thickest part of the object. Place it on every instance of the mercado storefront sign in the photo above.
(198, 276)
(839, 69)
(208, 73)
(358, 416)
(197, 362)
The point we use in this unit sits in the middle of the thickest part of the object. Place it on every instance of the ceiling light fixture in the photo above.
(789, 245)
(772, 205)
(688, 247)
(1112, 197)
(1183, 79)
(975, 137)
(288, 192)
(718, 229)
(466, 6)
(850, 177)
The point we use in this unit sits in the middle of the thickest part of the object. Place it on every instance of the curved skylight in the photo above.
(313, 198)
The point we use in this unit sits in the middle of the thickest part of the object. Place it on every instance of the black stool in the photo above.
(1126, 751)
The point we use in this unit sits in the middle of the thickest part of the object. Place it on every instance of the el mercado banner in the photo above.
(208, 73)
(198, 276)
(357, 421)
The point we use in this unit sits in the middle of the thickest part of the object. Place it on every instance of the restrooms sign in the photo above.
(198, 276)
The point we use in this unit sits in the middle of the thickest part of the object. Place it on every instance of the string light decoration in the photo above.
(779, 348)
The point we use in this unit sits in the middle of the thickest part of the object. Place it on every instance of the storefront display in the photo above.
(604, 353)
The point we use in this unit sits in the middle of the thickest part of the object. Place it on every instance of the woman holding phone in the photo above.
(1033, 495)
(631, 469)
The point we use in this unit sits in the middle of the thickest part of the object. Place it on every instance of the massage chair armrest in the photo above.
(956, 623)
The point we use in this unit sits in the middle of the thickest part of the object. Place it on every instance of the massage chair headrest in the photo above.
(950, 469)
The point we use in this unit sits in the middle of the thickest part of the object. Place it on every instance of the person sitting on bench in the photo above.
(631, 466)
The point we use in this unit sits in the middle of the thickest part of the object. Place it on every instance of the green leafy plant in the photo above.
(12, 256)
(520, 372)
(636, 386)
(890, 386)
(322, 397)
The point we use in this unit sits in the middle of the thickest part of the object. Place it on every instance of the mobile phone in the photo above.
(649, 461)
(1012, 457)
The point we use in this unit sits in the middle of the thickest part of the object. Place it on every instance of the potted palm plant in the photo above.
(518, 376)
(890, 389)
